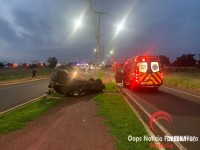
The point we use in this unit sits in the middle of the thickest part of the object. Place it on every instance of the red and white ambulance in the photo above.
(143, 71)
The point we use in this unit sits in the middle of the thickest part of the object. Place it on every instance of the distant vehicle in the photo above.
(142, 71)
(118, 68)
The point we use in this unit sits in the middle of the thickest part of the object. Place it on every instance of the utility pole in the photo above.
(103, 54)
(98, 36)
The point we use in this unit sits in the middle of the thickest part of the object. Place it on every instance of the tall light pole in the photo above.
(98, 36)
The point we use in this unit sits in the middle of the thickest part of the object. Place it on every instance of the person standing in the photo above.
(34, 74)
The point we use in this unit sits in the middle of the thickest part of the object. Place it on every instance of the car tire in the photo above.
(124, 83)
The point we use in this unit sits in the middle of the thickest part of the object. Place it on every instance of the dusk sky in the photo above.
(39, 29)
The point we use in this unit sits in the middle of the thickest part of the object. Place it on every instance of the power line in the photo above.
(98, 36)
(91, 7)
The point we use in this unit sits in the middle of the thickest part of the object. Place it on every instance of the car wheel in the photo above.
(124, 83)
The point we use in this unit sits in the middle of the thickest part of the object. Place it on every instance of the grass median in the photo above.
(100, 74)
(122, 121)
(19, 118)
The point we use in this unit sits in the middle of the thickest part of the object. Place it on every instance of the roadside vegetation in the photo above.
(111, 88)
(188, 80)
(20, 117)
(100, 74)
(122, 121)
(20, 73)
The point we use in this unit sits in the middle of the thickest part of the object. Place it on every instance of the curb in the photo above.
(180, 146)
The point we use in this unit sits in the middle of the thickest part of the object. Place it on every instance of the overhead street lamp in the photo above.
(78, 23)
(120, 26)
(111, 52)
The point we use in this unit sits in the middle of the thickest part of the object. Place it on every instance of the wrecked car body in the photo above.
(62, 83)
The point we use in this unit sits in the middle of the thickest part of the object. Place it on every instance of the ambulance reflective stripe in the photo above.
(152, 78)
(142, 76)
(157, 77)
(147, 78)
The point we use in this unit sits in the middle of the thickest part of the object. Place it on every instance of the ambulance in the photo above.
(142, 71)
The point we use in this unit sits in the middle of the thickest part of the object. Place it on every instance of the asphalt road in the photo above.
(13, 95)
(182, 106)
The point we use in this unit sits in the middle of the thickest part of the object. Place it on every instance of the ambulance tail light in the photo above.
(161, 75)
(136, 77)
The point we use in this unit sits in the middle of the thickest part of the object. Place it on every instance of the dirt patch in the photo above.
(72, 125)
(106, 79)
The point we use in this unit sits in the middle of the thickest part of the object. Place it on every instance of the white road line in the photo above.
(178, 144)
(143, 123)
(31, 101)
(181, 92)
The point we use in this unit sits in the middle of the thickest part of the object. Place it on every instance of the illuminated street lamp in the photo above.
(95, 50)
(111, 52)
(78, 23)
(120, 26)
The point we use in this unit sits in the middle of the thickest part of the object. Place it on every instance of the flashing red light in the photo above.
(143, 59)
(136, 77)
(161, 75)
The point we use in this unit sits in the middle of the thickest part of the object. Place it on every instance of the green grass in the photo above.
(111, 88)
(122, 121)
(183, 80)
(20, 73)
(100, 74)
(19, 118)
(120, 118)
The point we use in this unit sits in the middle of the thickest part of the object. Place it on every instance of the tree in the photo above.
(185, 61)
(1, 64)
(164, 60)
(52, 62)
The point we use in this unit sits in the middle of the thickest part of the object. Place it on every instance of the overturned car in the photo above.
(62, 83)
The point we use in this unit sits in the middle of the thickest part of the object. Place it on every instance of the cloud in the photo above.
(41, 29)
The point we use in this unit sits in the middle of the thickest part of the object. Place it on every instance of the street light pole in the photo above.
(98, 36)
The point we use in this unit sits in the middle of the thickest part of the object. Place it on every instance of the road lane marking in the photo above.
(17, 82)
(18, 106)
(178, 144)
(181, 91)
(143, 123)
